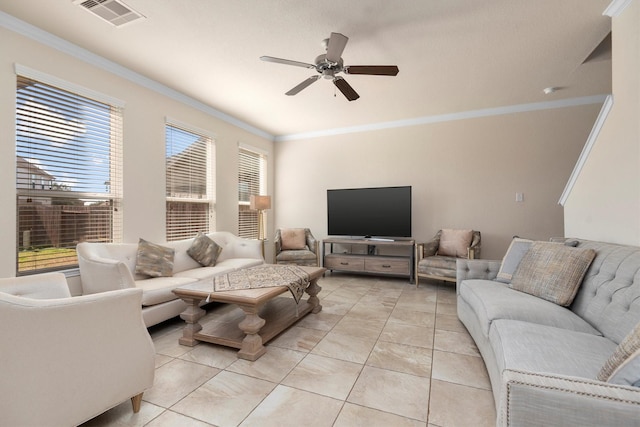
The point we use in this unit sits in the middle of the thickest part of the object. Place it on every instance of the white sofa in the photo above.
(68, 359)
(109, 266)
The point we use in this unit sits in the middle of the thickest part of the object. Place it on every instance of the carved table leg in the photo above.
(191, 315)
(313, 289)
(252, 347)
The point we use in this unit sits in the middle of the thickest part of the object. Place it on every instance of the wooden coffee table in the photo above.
(260, 318)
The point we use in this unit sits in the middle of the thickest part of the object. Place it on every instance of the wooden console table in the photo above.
(371, 262)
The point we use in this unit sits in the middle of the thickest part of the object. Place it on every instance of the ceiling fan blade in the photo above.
(345, 88)
(374, 70)
(287, 62)
(302, 85)
(335, 47)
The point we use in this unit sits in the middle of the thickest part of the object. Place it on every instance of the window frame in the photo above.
(87, 196)
(191, 198)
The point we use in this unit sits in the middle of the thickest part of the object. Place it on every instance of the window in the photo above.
(68, 174)
(252, 173)
(190, 200)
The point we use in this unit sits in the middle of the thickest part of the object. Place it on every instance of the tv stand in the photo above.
(367, 260)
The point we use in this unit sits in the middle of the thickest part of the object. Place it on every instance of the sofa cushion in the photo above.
(157, 290)
(201, 273)
(238, 263)
(530, 347)
(297, 255)
(293, 238)
(492, 301)
(204, 250)
(609, 297)
(512, 258)
(455, 243)
(154, 260)
(623, 366)
(552, 271)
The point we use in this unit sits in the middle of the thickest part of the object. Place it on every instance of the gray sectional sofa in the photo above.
(544, 359)
(110, 266)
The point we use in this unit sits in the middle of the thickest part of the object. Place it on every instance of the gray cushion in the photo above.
(512, 258)
(552, 271)
(539, 348)
(493, 301)
(154, 260)
(204, 250)
(623, 366)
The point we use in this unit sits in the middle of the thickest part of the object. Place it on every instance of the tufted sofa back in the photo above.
(609, 297)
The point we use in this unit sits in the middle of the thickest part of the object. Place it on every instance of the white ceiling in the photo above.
(454, 55)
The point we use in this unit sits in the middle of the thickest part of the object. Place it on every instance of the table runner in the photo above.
(264, 276)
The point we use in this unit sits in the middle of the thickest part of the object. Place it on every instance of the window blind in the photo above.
(68, 174)
(252, 167)
(189, 172)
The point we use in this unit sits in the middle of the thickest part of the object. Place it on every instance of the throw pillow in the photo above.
(553, 272)
(455, 242)
(293, 238)
(623, 366)
(154, 260)
(204, 250)
(512, 258)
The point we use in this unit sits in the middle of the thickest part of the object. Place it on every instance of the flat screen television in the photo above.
(383, 212)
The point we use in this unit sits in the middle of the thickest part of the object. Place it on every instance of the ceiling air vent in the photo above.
(113, 11)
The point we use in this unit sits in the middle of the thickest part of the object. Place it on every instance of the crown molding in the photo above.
(18, 26)
(487, 112)
(616, 7)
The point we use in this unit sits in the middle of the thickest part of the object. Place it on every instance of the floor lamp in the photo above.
(260, 204)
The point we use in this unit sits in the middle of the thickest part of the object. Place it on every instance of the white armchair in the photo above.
(68, 359)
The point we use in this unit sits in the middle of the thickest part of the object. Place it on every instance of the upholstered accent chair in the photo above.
(297, 246)
(68, 359)
(436, 259)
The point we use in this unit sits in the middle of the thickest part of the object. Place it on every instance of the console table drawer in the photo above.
(332, 262)
(386, 265)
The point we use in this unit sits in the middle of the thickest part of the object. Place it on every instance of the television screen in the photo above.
(369, 212)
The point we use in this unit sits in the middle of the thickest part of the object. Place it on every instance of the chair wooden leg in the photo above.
(136, 402)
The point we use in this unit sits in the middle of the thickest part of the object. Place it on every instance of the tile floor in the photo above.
(380, 353)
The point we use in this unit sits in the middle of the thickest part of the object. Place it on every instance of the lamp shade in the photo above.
(260, 203)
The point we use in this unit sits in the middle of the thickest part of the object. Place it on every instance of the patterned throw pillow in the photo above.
(455, 242)
(154, 260)
(552, 271)
(293, 239)
(204, 250)
(623, 366)
(512, 258)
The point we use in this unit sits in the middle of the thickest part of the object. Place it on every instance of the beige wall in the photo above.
(605, 201)
(464, 173)
(144, 147)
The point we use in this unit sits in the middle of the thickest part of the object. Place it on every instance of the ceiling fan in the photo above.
(329, 64)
